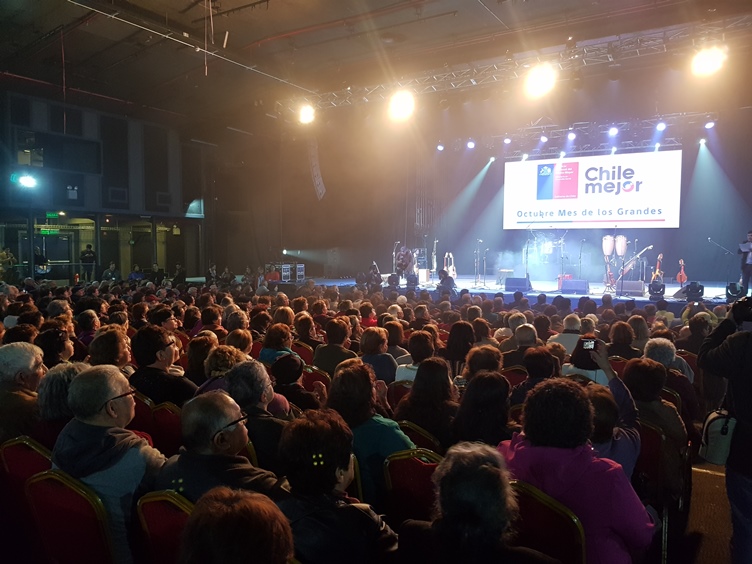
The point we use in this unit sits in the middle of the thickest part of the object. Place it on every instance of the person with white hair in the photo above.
(514, 321)
(571, 334)
(21, 369)
(96, 449)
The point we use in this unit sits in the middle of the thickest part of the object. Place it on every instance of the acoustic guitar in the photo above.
(681, 278)
(658, 273)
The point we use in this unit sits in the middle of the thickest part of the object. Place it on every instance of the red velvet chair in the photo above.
(410, 491)
(515, 374)
(70, 518)
(163, 516)
(143, 420)
(546, 525)
(312, 374)
(397, 390)
(168, 434)
(303, 351)
(618, 363)
(420, 437)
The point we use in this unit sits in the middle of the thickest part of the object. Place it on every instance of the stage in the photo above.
(714, 291)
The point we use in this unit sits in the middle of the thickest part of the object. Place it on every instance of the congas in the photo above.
(608, 245)
(621, 245)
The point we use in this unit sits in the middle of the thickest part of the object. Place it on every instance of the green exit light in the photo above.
(52, 215)
(49, 231)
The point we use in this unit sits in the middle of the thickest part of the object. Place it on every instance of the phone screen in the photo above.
(588, 344)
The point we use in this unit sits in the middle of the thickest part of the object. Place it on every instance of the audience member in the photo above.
(540, 365)
(483, 414)
(373, 345)
(214, 441)
(553, 454)
(52, 399)
(328, 356)
(95, 448)
(21, 370)
(328, 526)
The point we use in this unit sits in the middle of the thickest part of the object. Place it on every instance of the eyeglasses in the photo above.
(131, 392)
(169, 344)
(243, 419)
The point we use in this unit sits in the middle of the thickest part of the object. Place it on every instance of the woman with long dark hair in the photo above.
(483, 414)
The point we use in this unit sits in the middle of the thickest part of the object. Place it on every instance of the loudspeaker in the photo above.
(287, 288)
(517, 285)
(575, 286)
(681, 293)
(630, 288)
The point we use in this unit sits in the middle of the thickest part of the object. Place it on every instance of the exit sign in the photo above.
(49, 231)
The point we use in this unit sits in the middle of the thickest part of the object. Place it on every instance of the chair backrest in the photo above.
(420, 437)
(618, 363)
(546, 525)
(579, 378)
(256, 349)
(312, 374)
(250, 453)
(168, 434)
(163, 516)
(672, 397)
(303, 351)
(410, 491)
(397, 390)
(143, 420)
(71, 519)
(649, 469)
(515, 374)
(689, 357)
(20, 459)
(355, 489)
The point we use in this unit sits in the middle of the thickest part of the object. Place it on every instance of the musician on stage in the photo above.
(745, 249)
(405, 262)
(446, 284)
(373, 279)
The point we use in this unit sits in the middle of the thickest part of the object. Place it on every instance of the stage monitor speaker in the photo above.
(287, 288)
(575, 287)
(630, 288)
(517, 285)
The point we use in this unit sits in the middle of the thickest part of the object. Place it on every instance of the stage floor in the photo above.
(714, 292)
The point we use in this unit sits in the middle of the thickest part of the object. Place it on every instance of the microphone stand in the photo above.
(726, 252)
(477, 263)
(394, 256)
(485, 253)
(579, 261)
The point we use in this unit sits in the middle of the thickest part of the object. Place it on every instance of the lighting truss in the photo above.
(677, 40)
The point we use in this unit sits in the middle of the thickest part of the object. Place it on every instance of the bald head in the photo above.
(205, 415)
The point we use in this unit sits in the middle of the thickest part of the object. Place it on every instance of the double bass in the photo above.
(681, 277)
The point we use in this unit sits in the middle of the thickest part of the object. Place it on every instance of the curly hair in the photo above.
(557, 413)
(221, 359)
(480, 358)
(475, 503)
(276, 336)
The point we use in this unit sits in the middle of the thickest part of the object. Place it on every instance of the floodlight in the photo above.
(571, 136)
(661, 126)
(471, 144)
(708, 61)
(540, 80)
(613, 131)
(307, 114)
(401, 105)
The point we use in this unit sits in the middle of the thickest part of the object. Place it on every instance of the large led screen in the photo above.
(631, 190)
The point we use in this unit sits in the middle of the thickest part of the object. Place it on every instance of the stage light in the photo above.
(708, 61)
(613, 150)
(543, 139)
(284, 251)
(709, 124)
(401, 105)
(657, 146)
(471, 144)
(525, 156)
(613, 131)
(507, 140)
(702, 141)
(492, 159)
(656, 290)
(733, 292)
(562, 154)
(661, 126)
(694, 291)
(439, 147)
(540, 80)
(307, 114)
(27, 181)
(571, 136)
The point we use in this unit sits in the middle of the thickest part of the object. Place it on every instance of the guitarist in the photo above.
(745, 249)
(404, 262)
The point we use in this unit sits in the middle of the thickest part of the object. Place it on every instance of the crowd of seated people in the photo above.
(224, 357)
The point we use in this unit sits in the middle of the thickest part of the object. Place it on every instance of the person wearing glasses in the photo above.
(95, 448)
(214, 440)
(21, 369)
(155, 351)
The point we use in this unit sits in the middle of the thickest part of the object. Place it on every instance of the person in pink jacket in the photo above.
(554, 455)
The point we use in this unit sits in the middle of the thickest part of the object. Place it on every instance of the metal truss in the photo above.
(678, 40)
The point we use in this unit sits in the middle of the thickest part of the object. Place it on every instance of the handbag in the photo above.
(716, 436)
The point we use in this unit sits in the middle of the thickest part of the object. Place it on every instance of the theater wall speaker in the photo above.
(630, 288)
(575, 287)
(517, 285)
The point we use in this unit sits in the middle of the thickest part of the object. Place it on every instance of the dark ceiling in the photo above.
(199, 63)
